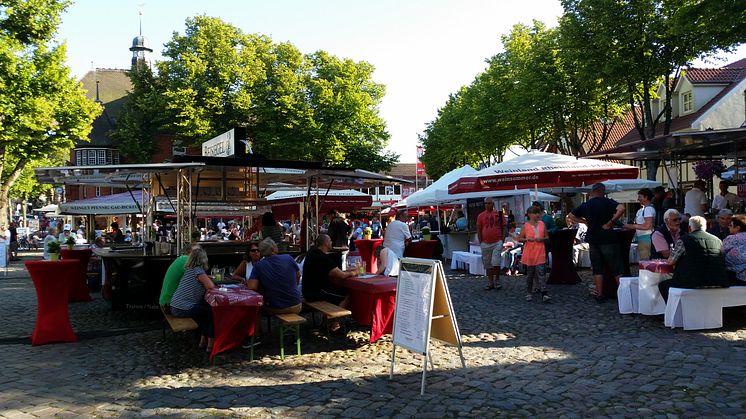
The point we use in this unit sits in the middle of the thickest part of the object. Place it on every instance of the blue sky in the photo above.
(422, 50)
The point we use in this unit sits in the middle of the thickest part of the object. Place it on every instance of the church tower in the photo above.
(140, 48)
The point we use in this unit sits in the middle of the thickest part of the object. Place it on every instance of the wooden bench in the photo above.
(289, 325)
(178, 324)
(329, 311)
(701, 308)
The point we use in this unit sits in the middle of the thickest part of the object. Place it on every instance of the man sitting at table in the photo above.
(667, 234)
(318, 271)
(699, 262)
(721, 228)
(276, 277)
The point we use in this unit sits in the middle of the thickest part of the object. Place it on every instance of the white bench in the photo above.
(701, 308)
(473, 260)
(628, 295)
(650, 299)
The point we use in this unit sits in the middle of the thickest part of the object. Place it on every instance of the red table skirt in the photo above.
(79, 290)
(52, 280)
(660, 266)
(234, 314)
(372, 302)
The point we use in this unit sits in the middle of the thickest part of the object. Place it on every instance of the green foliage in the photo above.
(53, 246)
(563, 89)
(43, 110)
(294, 105)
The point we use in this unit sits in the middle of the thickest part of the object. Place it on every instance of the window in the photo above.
(98, 191)
(78, 156)
(101, 157)
(687, 102)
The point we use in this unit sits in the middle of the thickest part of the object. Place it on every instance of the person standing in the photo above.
(600, 214)
(725, 199)
(695, 201)
(397, 234)
(13, 241)
(534, 234)
(659, 195)
(490, 232)
(644, 223)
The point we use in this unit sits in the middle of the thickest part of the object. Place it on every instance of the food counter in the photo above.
(455, 241)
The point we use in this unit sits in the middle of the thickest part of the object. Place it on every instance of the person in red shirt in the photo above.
(490, 232)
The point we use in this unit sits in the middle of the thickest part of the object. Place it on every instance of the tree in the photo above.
(42, 108)
(293, 105)
(633, 46)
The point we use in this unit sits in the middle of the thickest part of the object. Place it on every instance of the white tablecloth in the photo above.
(651, 301)
(473, 260)
(628, 295)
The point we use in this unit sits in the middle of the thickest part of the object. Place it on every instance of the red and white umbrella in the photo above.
(537, 169)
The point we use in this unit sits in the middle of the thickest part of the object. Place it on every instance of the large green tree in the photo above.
(43, 109)
(634, 46)
(294, 105)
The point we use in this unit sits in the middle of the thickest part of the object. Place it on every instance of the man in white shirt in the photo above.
(397, 234)
(695, 201)
(724, 199)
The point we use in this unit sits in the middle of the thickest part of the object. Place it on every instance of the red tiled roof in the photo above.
(713, 75)
(738, 64)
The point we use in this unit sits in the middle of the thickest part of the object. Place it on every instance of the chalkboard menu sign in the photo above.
(474, 207)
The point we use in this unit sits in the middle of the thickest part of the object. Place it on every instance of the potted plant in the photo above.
(367, 232)
(425, 233)
(70, 242)
(54, 250)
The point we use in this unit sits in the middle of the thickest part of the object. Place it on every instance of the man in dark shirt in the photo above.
(13, 241)
(318, 270)
(600, 214)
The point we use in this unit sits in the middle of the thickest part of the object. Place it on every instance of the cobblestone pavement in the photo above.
(569, 358)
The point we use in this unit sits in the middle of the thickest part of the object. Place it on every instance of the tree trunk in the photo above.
(5, 187)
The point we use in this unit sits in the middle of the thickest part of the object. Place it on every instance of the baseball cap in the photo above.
(66, 227)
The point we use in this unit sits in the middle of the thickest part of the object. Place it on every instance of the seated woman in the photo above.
(461, 223)
(387, 263)
(250, 259)
(734, 249)
(699, 262)
(507, 253)
(189, 298)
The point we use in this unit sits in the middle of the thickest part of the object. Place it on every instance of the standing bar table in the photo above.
(52, 280)
(366, 248)
(79, 290)
(563, 269)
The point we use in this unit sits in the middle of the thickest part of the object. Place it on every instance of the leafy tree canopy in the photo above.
(294, 105)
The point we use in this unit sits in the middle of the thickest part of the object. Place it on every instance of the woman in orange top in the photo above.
(534, 234)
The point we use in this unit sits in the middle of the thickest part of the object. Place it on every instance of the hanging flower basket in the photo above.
(706, 169)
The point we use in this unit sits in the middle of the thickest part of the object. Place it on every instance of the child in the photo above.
(510, 244)
(533, 234)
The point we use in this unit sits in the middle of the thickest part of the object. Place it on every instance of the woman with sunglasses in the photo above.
(734, 248)
(250, 259)
(666, 235)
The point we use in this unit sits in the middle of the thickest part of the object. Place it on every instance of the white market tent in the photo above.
(437, 193)
(538, 169)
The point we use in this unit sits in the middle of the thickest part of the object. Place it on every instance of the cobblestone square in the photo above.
(568, 358)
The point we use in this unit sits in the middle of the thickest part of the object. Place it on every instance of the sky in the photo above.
(423, 50)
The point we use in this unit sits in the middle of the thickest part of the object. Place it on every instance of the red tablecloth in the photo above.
(52, 280)
(660, 266)
(366, 247)
(234, 313)
(420, 249)
(372, 302)
(79, 290)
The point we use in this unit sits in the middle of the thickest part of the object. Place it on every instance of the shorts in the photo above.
(608, 254)
(491, 254)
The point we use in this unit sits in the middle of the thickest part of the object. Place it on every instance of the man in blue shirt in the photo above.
(600, 214)
(276, 277)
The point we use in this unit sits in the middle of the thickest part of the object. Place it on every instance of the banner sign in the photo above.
(228, 144)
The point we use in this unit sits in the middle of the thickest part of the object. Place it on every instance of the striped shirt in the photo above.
(190, 291)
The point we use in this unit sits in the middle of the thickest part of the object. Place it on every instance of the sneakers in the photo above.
(546, 298)
(529, 297)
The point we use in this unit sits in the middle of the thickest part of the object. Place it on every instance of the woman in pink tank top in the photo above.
(533, 235)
